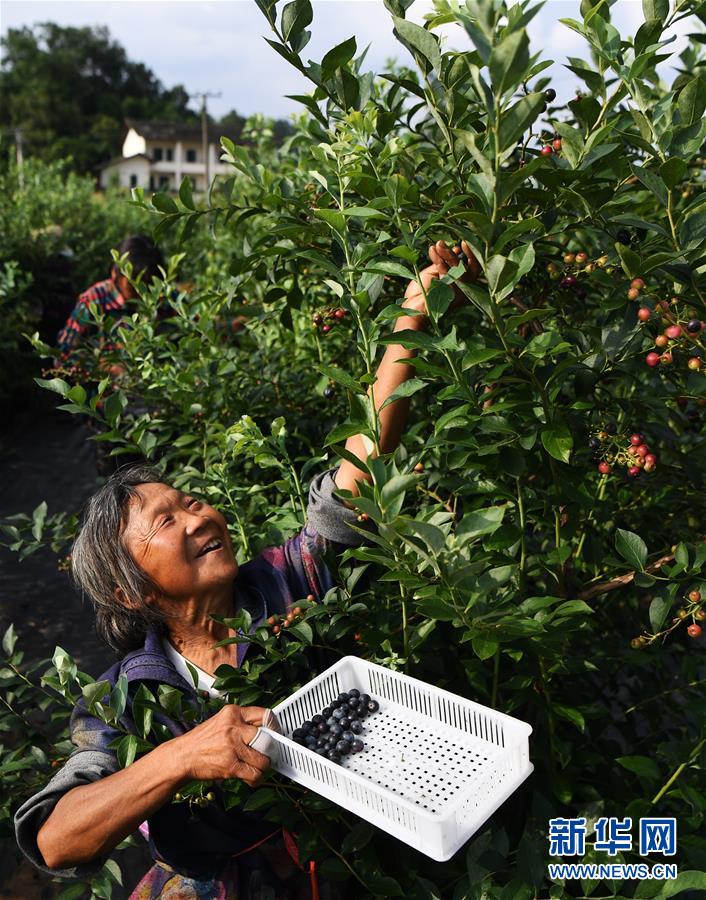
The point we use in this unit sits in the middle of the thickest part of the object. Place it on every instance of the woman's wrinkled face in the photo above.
(180, 542)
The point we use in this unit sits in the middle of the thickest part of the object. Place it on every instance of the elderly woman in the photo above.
(158, 564)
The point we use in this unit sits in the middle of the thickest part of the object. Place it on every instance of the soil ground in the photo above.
(45, 455)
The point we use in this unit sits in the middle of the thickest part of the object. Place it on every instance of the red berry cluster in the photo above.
(277, 623)
(681, 326)
(694, 610)
(550, 147)
(636, 457)
(575, 265)
(325, 320)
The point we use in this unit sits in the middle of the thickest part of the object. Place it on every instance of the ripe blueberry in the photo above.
(550, 94)
(357, 745)
(373, 706)
(357, 726)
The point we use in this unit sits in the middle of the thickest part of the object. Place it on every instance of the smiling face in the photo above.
(181, 543)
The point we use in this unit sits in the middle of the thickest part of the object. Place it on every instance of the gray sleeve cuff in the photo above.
(83, 767)
(330, 517)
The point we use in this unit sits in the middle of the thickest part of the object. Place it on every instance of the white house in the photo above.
(157, 155)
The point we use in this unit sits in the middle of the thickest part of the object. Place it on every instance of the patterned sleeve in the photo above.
(302, 560)
(90, 761)
(76, 325)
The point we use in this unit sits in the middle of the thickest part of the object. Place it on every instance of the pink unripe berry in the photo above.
(652, 359)
(673, 332)
(643, 314)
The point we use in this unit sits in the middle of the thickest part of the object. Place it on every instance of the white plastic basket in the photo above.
(434, 768)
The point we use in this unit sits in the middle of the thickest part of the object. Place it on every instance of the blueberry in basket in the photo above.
(334, 732)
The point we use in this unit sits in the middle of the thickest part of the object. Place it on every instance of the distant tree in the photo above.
(231, 121)
(69, 90)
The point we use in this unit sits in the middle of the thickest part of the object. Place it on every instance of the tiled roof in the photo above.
(178, 131)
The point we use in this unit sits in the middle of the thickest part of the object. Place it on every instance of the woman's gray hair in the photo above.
(101, 562)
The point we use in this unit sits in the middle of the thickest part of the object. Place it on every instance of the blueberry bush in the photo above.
(538, 540)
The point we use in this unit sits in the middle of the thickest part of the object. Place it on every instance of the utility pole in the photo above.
(203, 96)
(20, 156)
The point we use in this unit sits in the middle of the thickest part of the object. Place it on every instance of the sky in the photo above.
(218, 45)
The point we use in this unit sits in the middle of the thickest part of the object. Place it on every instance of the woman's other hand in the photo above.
(442, 259)
(218, 748)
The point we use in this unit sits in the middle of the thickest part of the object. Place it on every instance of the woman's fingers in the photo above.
(440, 265)
(247, 773)
(253, 758)
(253, 715)
(446, 254)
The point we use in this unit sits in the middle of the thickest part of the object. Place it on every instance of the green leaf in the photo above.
(113, 406)
(164, 203)
(341, 377)
(39, 516)
(9, 639)
(364, 212)
(303, 631)
(629, 260)
(295, 17)
(659, 608)
(57, 385)
(185, 193)
(479, 522)
(358, 837)
(655, 9)
(631, 548)
(640, 765)
(509, 60)
(483, 648)
(691, 102)
(571, 715)
(94, 692)
(673, 171)
(77, 395)
(690, 880)
(419, 39)
(557, 441)
(127, 750)
(652, 182)
(517, 119)
(334, 219)
(406, 389)
(337, 57)
(388, 267)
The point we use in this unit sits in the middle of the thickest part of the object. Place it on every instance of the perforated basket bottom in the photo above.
(421, 759)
